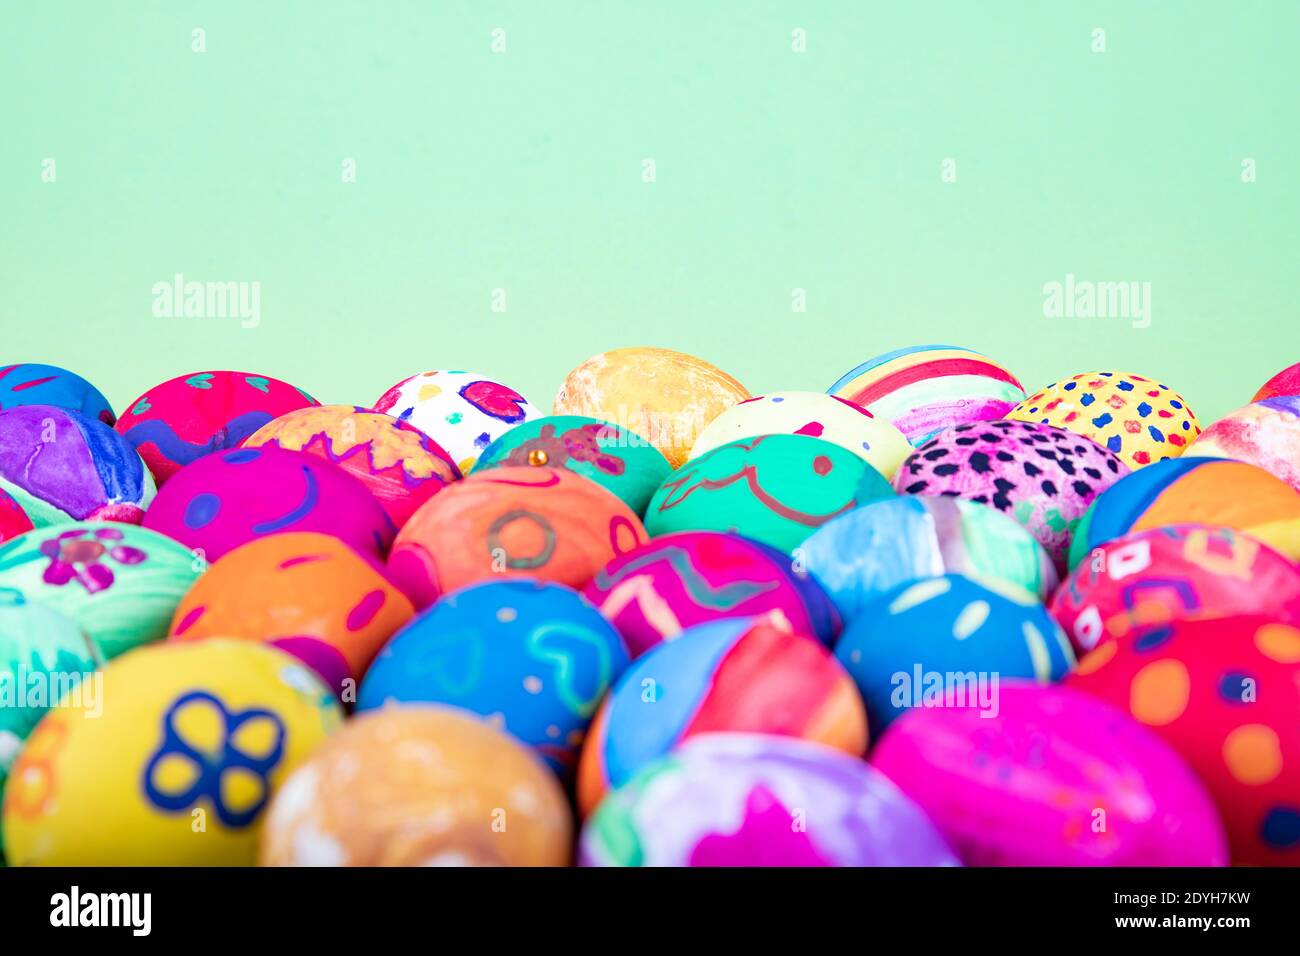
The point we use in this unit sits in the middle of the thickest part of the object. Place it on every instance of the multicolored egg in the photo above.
(618, 460)
(757, 800)
(927, 388)
(43, 656)
(175, 768)
(1265, 433)
(775, 489)
(729, 675)
(873, 549)
(35, 384)
(399, 464)
(1173, 573)
(463, 412)
(1054, 778)
(13, 520)
(305, 593)
(118, 583)
(673, 582)
(513, 521)
(1285, 382)
(419, 786)
(227, 499)
(1194, 490)
(1042, 476)
(1136, 418)
(1225, 695)
(62, 466)
(948, 642)
(667, 397)
(179, 421)
(533, 658)
(817, 415)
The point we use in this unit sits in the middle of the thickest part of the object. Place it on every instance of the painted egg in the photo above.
(173, 762)
(927, 388)
(1194, 490)
(62, 466)
(419, 786)
(673, 582)
(757, 800)
(179, 421)
(1285, 382)
(13, 520)
(307, 594)
(516, 521)
(775, 489)
(618, 460)
(1054, 778)
(227, 499)
(399, 464)
(1042, 476)
(1225, 695)
(463, 412)
(34, 384)
(43, 656)
(873, 549)
(948, 642)
(817, 415)
(118, 583)
(1266, 434)
(1172, 573)
(533, 658)
(1138, 419)
(667, 397)
(730, 675)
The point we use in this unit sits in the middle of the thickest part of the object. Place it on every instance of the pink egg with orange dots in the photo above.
(1051, 776)
(1172, 573)
(399, 464)
(182, 419)
(1225, 694)
(225, 500)
(513, 521)
(305, 593)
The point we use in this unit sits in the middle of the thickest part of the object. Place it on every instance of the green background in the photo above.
(522, 171)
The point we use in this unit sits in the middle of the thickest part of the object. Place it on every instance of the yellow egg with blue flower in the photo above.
(167, 757)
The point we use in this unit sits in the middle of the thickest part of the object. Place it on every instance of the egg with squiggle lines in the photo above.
(512, 521)
(170, 762)
(305, 593)
(1225, 695)
(776, 489)
(224, 500)
(534, 658)
(182, 419)
(463, 412)
(399, 464)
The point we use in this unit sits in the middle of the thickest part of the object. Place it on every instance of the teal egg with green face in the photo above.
(776, 489)
(118, 583)
(618, 460)
(43, 656)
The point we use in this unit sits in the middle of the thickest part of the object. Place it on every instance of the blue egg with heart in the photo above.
(949, 642)
(533, 658)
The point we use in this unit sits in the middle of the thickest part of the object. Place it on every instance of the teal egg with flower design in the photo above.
(118, 583)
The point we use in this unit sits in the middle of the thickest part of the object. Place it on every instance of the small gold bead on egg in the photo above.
(537, 457)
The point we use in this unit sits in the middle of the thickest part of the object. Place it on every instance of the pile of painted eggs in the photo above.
(922, 618)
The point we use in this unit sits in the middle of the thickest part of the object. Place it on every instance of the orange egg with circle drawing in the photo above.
(306, 593)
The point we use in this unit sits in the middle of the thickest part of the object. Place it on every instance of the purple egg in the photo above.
(758, 800)
(224, 500)
(1044, 477)
(1049, 776)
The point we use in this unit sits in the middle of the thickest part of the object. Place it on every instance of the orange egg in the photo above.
(514, 521)
(306, 593)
